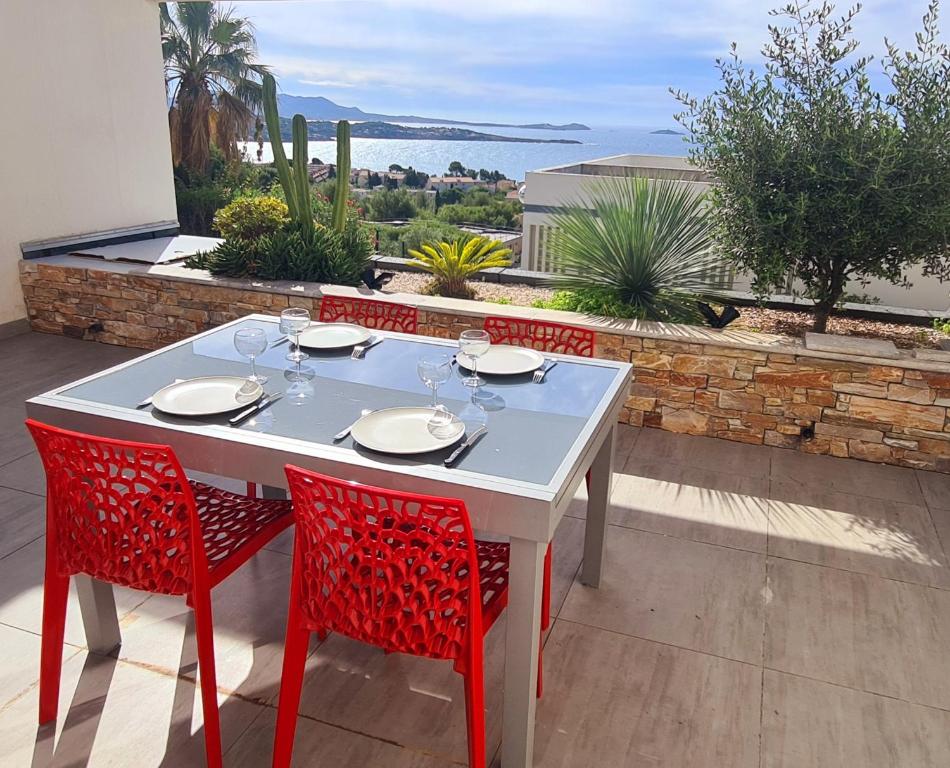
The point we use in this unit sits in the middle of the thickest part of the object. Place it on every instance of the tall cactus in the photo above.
(301, 177)
(295, 182)
(342, 175)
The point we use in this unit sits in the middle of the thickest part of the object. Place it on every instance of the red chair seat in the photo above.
(233, 525)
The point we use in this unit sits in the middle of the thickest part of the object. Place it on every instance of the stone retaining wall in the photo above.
(749, 387)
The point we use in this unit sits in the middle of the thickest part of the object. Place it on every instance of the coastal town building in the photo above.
(442, 183)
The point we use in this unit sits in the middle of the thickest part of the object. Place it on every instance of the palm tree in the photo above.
(212, 79)
(641, 244)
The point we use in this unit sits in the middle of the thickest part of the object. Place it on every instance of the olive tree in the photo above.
(820, 178)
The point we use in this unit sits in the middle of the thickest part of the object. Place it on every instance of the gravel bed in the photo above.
(777, 321)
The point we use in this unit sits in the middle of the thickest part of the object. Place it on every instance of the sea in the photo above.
(512, 159)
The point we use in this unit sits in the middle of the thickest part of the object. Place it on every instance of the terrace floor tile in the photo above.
(613, 700)
(864, 632)
(815, 724)
(880, 537)
(691, 595)
(691, 503)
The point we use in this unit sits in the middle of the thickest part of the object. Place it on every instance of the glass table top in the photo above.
(531, 427)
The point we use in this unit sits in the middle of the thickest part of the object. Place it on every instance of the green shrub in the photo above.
(589, 301)
(289, 253)
(942, 324)
(398, 241)
(248, 218)
(386, 204)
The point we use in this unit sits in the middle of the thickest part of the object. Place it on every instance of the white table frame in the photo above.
(528, 513)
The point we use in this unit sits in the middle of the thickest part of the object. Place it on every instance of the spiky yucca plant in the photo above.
(643, 243)
(451, 264)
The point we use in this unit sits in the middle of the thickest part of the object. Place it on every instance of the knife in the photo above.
(467, 443)
(148, 400)
(259, 406)
(278, 342)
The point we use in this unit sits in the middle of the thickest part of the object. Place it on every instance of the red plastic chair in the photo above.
(541, 335)
(125, 513)
(399, 571)
(544, 337)
(370, 313)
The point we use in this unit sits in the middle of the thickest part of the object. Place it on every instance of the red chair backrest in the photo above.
(121, 512)
(396, 570)
(541, 335)
(378, 315)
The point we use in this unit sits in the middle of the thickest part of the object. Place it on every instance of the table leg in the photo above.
(598, 502)
(270, 492)
(521, 652)
(99, 617)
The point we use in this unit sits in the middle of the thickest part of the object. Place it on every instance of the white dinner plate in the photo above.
(504, 360)
(333, 336)
(402, 431)
(207, 395)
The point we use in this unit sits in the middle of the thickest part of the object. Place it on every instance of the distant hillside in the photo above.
(320, 108)
(325, 130)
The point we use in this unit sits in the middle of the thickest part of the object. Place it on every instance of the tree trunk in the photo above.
(828, 297)
(822, 312)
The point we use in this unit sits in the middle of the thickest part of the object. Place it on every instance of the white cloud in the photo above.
(506, 52)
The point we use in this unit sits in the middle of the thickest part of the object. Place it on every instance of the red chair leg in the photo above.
(291, 681)
(204, 634)
(475, 716)
(540, 667)
(546, 592)
(55, 594)
(252, 490)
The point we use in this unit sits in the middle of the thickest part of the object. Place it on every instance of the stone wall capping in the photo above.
(728, 384)
(933, 355)
(851, 345)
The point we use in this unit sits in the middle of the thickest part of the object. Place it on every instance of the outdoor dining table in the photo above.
(517, 481)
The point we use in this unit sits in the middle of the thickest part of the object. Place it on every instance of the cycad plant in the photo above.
(451, 264)
(640, 245)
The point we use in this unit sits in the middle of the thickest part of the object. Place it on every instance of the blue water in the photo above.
(513, 160)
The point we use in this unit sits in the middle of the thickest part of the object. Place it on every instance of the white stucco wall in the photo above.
(84, 137)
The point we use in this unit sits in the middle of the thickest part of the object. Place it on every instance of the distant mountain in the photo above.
(320, 108)
(325, 130)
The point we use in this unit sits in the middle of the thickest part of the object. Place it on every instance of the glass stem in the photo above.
(435, 397)
(253, 368)
(475, 369)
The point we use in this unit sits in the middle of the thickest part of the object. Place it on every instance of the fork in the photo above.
(360, 349)
(543, 371)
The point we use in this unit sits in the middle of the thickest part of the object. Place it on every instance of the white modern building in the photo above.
(550, 190)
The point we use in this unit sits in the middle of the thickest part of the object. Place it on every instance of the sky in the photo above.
(600, 62)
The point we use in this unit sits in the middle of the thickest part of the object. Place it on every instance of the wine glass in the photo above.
(474, 344)
(292, 322)
(251, 342)
(301, 388)
(434, 371)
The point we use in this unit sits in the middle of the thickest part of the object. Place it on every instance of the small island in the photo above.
(325, 130)
(666, 132)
